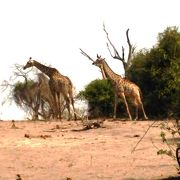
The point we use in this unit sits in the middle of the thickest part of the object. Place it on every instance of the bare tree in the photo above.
(26, 95)
(116, 55)
(7, 86)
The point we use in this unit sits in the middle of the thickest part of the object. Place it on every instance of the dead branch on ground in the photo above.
(93, 124)
(37, 136)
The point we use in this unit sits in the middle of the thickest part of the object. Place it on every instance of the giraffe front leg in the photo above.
(143, 112)
(55, 108)
(127, 108)
(142, 107)
(69, 113)
(115, 106)
(59, 105)
(137, 108)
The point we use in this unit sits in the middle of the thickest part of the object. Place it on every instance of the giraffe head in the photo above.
(29, 64)
(98, 62)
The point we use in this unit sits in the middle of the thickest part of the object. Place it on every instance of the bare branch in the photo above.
(143, 136)
(109, 50)
(85, 54)
(123, 53)
(4, 86)
(116, 53)
(126, 62)
(131, 48)
(18, 72)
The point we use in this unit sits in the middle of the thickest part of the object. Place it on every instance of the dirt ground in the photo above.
(61, 151)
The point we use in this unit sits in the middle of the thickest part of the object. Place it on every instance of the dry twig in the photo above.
(143, 136)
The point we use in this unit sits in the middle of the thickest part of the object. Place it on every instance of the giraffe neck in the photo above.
(109, 73)
(45, 69)
(103, 74)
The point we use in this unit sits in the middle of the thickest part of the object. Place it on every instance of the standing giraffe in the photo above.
(122, 86)
(58, 84)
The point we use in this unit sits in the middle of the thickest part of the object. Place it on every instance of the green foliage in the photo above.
(100, 96)
(166, 152)
(24, 93)
(20, 85)
(170, 132)
(156, 71)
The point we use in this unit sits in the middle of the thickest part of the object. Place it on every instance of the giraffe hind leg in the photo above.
(140, 104)
(136, 118)
(72, 102)
(68, 105)
(70, 92)
(142, 107)
(136, 104)
(115, 106)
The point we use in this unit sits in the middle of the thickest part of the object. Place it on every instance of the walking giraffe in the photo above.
(58, 83)
(122, 86)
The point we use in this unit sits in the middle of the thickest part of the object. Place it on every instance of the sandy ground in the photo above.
(54, 151)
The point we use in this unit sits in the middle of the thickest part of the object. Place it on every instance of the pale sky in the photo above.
(52, 31)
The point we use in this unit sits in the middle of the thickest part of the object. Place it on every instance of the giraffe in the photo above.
(58, 83)
(123, 87)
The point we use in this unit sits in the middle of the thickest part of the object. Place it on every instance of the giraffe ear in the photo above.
(98, 56)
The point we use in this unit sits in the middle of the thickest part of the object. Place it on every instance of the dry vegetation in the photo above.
(67, 150)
